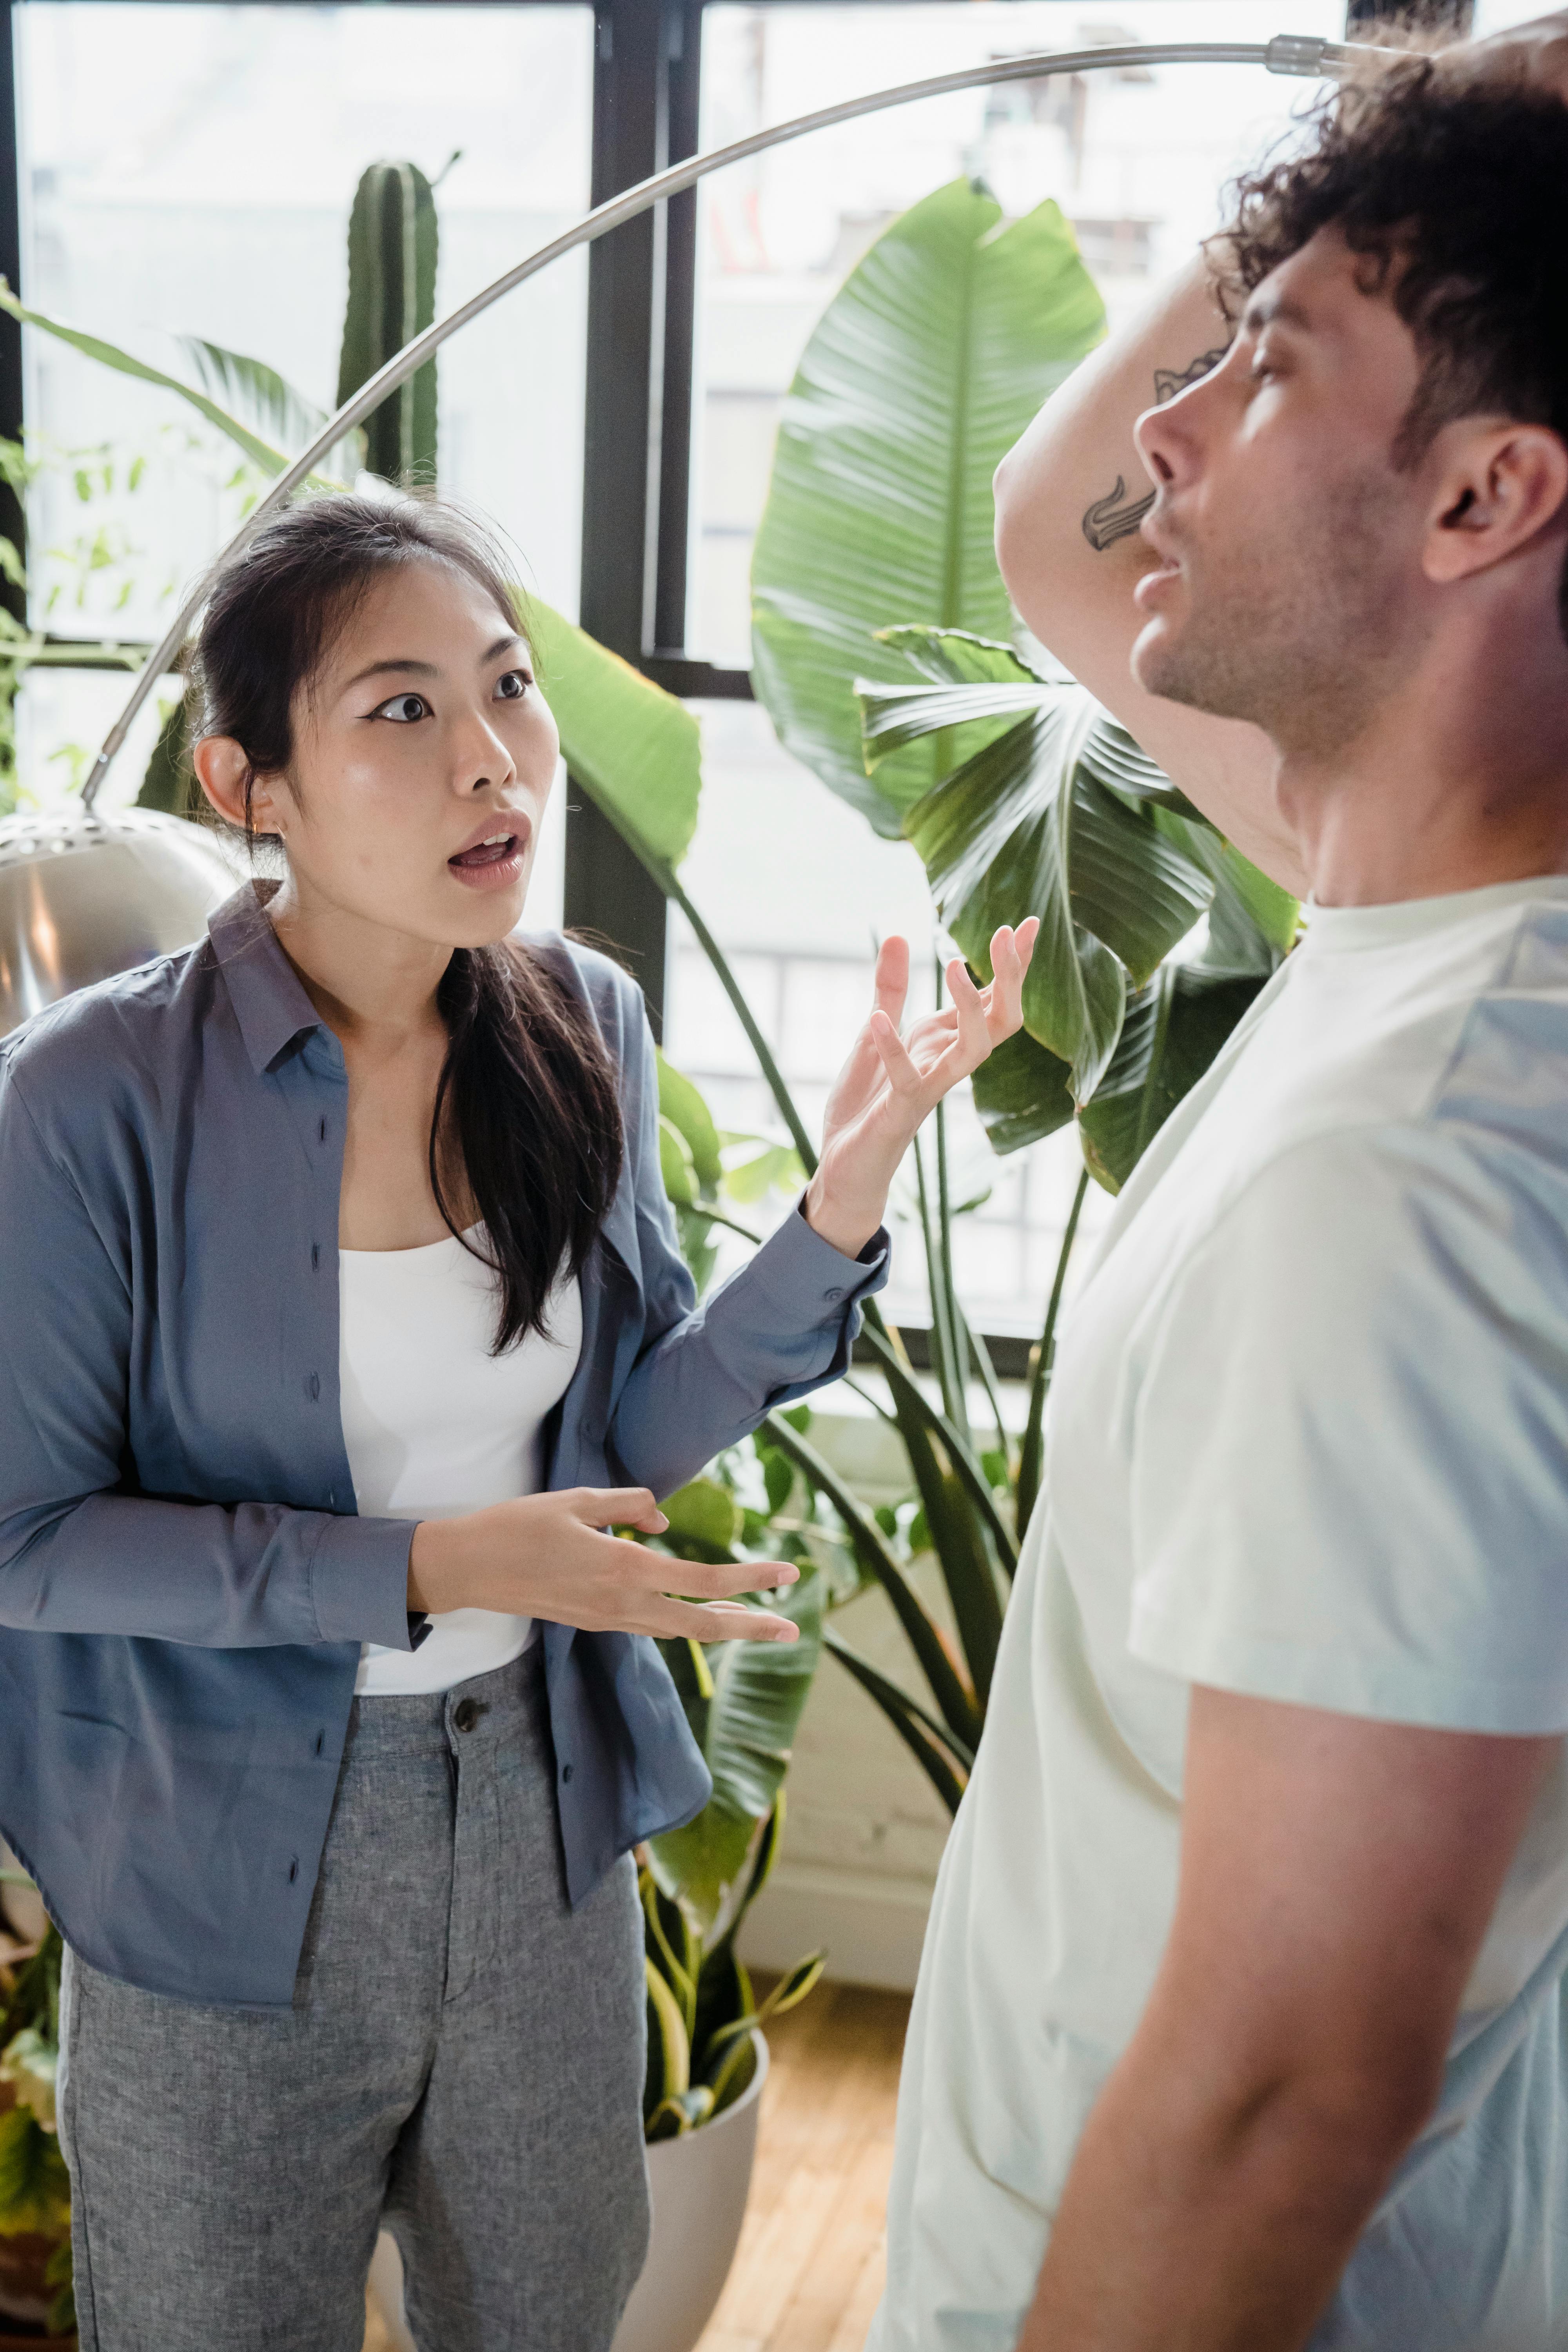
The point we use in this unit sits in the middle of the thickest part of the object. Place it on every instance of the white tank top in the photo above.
(435, 1426)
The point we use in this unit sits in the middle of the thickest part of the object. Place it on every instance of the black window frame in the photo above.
(637, 450)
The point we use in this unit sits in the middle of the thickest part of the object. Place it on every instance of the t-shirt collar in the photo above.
(268, 999)
(1337, 930)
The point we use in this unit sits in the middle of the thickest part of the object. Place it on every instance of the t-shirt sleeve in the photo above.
(1349, 1441)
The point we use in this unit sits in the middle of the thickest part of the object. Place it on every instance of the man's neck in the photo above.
(1461, 780)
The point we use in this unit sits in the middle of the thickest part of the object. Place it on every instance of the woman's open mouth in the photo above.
(494, 862)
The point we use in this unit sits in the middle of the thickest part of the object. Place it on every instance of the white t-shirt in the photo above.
(1308, 1440)
(436, 1425)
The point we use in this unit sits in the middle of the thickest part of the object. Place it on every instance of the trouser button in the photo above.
(466, 1713)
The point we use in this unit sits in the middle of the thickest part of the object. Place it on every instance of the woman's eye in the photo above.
(512, 685)
(404, 709)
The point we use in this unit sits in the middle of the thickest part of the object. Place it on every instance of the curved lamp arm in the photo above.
(1287, 53)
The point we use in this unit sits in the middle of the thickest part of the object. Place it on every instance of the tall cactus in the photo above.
(392, 297)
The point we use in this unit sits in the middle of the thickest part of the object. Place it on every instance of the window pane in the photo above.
(189, 170)
(786, 875)
(1136, 160)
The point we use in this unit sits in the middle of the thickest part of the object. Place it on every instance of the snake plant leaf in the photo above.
(734, 2071)
(636, 751)
(392, 253)
(922, 372)
(759, 1690)
(1040, 821)
(271, 461)
(668, 2048)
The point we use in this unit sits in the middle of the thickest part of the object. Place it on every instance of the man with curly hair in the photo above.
(1241, 2025)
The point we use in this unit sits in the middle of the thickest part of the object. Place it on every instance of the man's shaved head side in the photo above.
(1454, 191)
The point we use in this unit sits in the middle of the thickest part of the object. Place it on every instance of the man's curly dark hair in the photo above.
(1455, 189)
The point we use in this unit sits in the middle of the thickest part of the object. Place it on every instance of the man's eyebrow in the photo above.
(1273, 309)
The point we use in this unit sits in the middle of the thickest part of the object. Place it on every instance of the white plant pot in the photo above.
(700, 2184)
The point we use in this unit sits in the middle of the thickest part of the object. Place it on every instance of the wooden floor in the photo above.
(809, 2268)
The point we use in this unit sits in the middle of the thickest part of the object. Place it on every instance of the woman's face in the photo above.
(424, 755)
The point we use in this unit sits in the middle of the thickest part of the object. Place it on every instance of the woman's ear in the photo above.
(222, 772)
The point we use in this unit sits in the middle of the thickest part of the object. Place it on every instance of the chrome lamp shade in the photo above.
(83, 895)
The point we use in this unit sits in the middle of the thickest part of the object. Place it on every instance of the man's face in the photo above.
(1290, 586)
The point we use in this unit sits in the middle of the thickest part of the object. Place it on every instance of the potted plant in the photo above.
(35, 2191)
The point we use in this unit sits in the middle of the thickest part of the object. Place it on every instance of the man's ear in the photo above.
(1497, 488)
(222, 770)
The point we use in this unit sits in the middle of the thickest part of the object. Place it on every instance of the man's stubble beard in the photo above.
(1299, 629)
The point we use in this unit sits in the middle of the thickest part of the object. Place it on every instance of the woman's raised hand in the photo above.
(890, 1082)
(550, 1556)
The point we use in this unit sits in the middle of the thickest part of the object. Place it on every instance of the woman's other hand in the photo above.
(889, 1083)
(551, 1556)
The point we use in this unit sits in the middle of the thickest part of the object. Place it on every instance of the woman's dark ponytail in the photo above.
(527, 1105)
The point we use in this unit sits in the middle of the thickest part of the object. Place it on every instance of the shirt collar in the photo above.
(268, 999)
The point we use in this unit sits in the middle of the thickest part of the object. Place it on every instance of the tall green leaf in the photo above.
(267, 402)
(393, 238)
(759, 1690)
(1056, 816)
(636, 751)
(272, 461)
(920, 375)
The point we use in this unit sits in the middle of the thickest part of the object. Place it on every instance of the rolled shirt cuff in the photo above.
(358, 1582)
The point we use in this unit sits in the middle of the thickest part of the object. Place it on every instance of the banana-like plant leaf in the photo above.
(1021, 1092)
(267, 402)
(674, 1165)
(704, 1514)
(681, 1104)
(1174, 1029)
(636, 751)
(169, 781)
(35, 2187)
(922, 371)
(272, 461)
(1040, 821)
(759, 1690)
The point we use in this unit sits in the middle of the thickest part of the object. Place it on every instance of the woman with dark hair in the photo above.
(341, 1318)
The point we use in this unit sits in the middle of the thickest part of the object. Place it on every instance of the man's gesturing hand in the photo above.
(550, 1556)
(889, 1083)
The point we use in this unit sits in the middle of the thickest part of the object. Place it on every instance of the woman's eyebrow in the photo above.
(502, 646)
(397, 668)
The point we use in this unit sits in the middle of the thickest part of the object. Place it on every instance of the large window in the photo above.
(186, 169)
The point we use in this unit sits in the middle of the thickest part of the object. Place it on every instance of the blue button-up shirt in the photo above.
(185, 1583)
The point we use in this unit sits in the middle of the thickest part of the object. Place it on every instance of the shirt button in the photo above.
(466, 1713)
(832, 1295)
(314, 1387)
(566, 1772)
